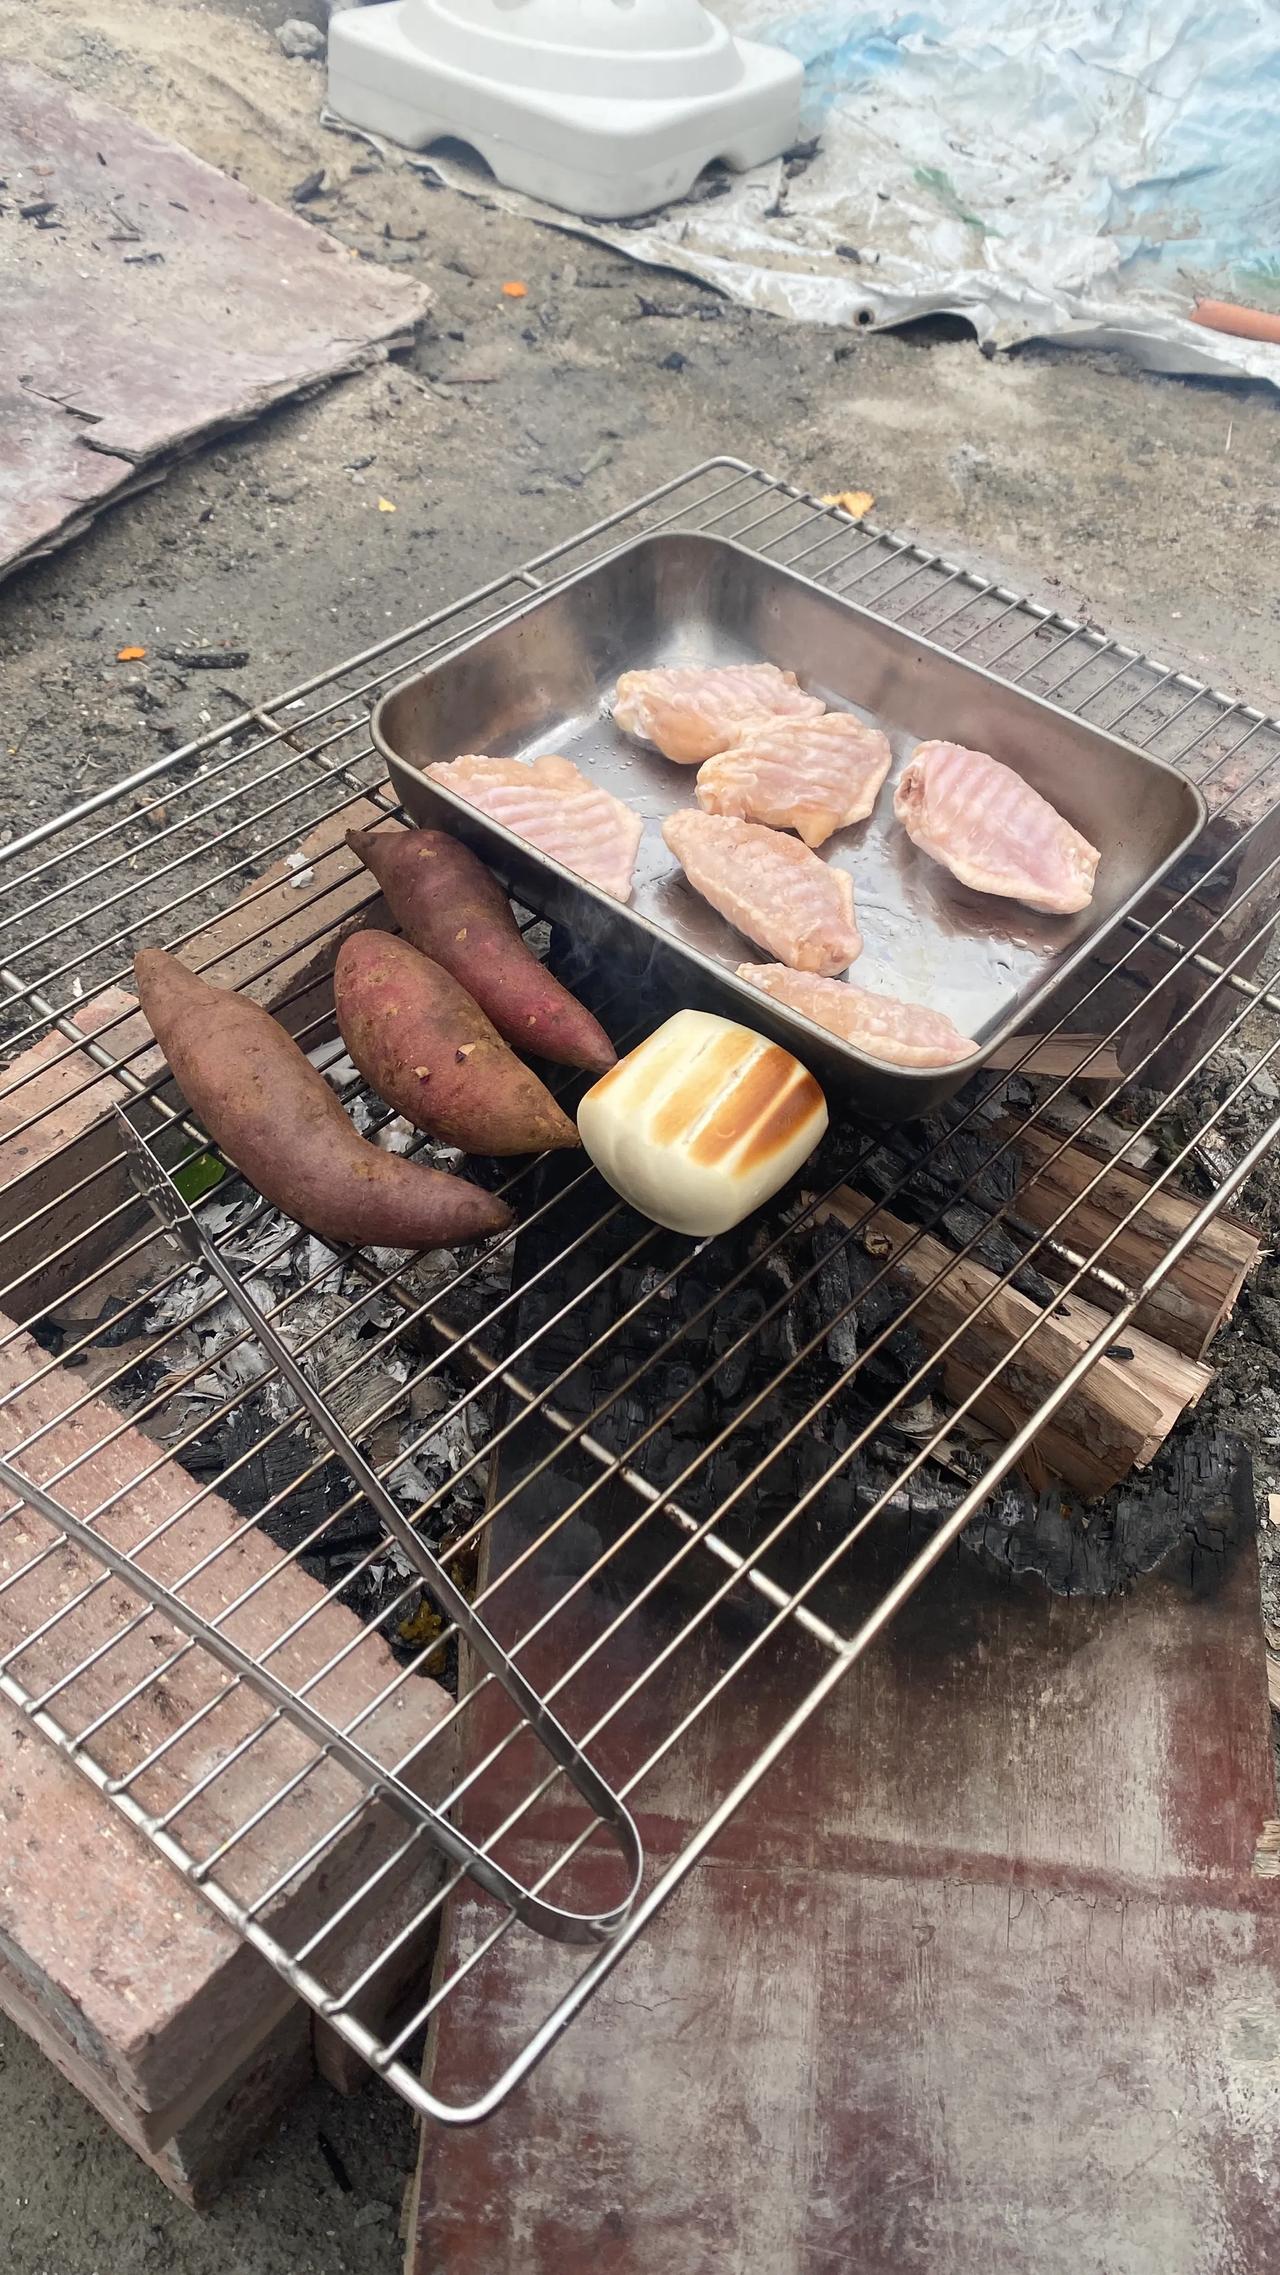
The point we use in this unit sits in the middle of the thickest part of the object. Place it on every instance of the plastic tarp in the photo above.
(1048, 169)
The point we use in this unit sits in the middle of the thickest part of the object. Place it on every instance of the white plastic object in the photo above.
(702, 1123)
(607, 108)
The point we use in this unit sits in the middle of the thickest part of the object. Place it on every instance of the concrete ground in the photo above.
(1151, 506)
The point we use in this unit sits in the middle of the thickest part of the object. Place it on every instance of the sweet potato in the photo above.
(431, 1053)
(277, 1119)
(447, 904)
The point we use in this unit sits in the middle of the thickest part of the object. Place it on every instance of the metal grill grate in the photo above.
(582, 1343)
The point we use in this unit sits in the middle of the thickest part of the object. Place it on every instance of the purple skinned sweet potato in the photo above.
(276, 1118)
(427, 1048)
(447, 904)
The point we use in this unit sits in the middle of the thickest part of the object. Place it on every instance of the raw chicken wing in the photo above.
(810, 775)
(902, 1034)
(548, 801)
(993, 831)
(689, 712)
(770, 886)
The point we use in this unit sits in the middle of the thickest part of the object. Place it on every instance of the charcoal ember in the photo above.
(808, 1470)
(925, 1498)
(855, 1276)
(856, 1424)
(999, 1249)
(968, 1157)
(838, 1158)
(956, 1191)
(835, 1289)
(626, 996)
(906, 1359)
(138, 1388)
(1184, 1514)
(621, 1424)
(732, 1331)
(781, 1339)
(814, 1293)
(655, 1313)
(841, 1343)
(118, 1322)
(710, 1369)
(935, 1164)
(681, 1385)
(251, 1473)
(760, 1318)
(753, 1484)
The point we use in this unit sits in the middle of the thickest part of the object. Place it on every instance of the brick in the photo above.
(128, 1977)
(97, 1980)
(202, 2156)
(263, 944)
(58, 1153)
(50, 1076)
(62, 1177)
(199, 2156)
(142, 1992)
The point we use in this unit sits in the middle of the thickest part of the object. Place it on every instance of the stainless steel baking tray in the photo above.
(543, 679)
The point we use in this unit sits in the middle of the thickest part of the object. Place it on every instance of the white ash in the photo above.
(427, 1397)
(218, 1217)
(320, 1258)
(438, 1449)
(388, 1131)
(177, 1303)
(330, 1060)
(352, 1339)
(398, 1136)
(200, 1343)
(392, 1571)
(409, 1483)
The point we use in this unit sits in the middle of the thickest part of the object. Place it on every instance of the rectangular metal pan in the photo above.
(543, 679)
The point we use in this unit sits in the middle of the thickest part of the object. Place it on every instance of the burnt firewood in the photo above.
(1184, 1514)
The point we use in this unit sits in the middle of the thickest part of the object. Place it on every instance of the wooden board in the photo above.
(155, 303)
(982, 1979)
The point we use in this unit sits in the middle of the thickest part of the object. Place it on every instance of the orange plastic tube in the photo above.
(1245, 323)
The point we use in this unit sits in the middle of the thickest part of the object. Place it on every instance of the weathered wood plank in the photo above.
(921, 2009)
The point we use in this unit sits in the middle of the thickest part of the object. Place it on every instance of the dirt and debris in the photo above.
(1137, 502)
(300, 41)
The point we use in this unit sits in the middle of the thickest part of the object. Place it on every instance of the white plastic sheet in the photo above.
(1073, 170)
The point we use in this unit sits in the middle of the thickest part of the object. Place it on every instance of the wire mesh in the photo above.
(638, 1451)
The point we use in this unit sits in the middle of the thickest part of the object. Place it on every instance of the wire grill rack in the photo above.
(563, 1329)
